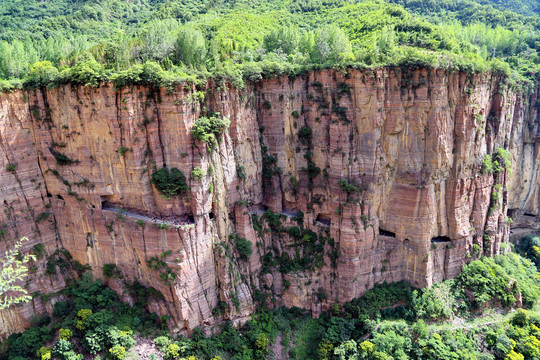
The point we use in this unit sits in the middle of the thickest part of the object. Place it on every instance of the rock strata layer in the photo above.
(338, 180)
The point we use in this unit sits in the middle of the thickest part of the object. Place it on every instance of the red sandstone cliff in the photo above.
(410, 143)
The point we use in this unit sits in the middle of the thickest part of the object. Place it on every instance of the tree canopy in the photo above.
(46, 43)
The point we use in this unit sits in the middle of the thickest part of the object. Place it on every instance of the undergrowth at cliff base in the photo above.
(88, 318)
(470, 317)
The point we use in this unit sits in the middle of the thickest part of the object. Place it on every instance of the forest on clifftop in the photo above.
(163, 42)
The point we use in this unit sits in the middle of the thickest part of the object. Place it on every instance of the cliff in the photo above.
(338, 179)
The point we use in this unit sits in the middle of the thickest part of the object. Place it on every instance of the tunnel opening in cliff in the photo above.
(106, 203)
(440, 239)
(324, 219)
(512, 213)
(386, 233)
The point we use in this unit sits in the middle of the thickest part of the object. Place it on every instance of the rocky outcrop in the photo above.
(524, 143)
(339, 180)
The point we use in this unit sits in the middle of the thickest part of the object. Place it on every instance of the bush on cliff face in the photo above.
(501, 160)
(170, 183)
(209, 129)
(243, 246)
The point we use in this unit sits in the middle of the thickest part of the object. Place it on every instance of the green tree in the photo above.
(42, 73)
(348, 350)
(13, 269)
(190, 47)
(87, 71)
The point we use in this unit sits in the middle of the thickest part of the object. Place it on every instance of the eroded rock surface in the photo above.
(367, 176)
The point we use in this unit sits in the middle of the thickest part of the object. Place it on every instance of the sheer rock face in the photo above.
(410, 143)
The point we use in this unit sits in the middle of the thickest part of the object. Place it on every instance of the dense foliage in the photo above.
(170, 182)
(208, 129)
(529, 246)
(159, 42)
(89, 319)
(386, 323)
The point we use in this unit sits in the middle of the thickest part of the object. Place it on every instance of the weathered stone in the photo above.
(412, 142)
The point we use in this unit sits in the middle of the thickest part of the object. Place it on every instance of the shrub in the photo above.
(305, 134)
(118, 352)
(521, 318)
(173, 351)
(82, 315)
(197, 173)
(487, 164)
(41, 74)
(149, 73)
(243, 246)
(87, 71)
(262, 342)
(437, 302)
(170, 183)
(120, 337)
(44, 353)
(529, 246)
(346, 350)
(162, 343)
(122, 150)
(95, 340)
(501, 160)
(42, 216)
(61, 309)
(380, 296)
(111, 271)
(11, 167)
(102, 317)
(65, 334)
(62, 348)
(241, 172)
(349, 187)
(209, 129)
(62, 159)
(38, 250)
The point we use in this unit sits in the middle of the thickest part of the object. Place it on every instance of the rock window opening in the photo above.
(440, 239)
(324, 219)
(386, 233)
